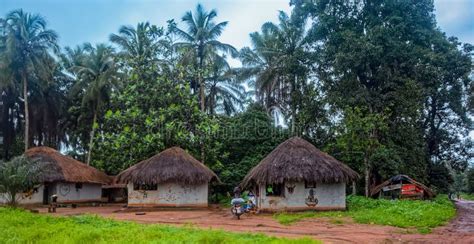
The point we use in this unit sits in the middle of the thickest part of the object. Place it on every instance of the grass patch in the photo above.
(19, 226)
(337, 221)
(422, 215)
(466, 196)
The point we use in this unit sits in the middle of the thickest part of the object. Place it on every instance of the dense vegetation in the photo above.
(19, 175)
(376, 84)
(18, 226)
(422, 215)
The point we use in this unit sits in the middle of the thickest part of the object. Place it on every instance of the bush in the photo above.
(16, 176)
(422, 215)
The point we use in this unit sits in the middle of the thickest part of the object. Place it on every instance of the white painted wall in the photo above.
(68, 193)
(36, 198)
(330, 196)
(170, 195)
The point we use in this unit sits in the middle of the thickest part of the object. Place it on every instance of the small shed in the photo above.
(70, 180)
(402, 186)
(298, 176)
(172, 178)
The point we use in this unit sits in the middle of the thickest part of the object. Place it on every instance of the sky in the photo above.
(79, 21)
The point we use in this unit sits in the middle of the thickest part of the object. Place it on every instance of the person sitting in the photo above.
(251, 202)
(237, 197)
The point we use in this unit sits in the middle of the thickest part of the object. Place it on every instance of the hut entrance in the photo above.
(115, 193)
(45, 194)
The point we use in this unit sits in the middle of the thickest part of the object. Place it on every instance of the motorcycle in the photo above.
(237, 210)
(239, 207)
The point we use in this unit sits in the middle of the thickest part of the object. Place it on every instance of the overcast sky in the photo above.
(79, 21)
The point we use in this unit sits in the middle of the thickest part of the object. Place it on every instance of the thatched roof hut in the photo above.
(173, 165)
(297, 160)
(61, 168)
(397, 179)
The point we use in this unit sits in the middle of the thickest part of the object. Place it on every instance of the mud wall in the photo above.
(169, 195)
(69, 193)
(35, 198)
(329, 196)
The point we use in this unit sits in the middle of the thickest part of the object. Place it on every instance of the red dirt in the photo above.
(460, 230)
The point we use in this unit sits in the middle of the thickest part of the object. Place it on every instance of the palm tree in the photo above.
(263, 63)
(277, 62)
(225, 93)
(28, 48)
(140, 46)
(97, 76)
(8, 93)
(200, 42)
(72, 57)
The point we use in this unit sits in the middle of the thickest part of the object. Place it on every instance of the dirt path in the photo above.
(464, 222)
(461, 230)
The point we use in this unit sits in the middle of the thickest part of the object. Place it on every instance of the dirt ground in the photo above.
(460, 230)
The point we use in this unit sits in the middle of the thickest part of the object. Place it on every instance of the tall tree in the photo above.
(390, 55)
(140, 48)
(262, 66)
(97, 76)
(200, 42)
(279, 63)
(29, 45)
(225, 93)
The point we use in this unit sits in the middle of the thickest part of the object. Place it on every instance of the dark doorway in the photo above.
(45, 194)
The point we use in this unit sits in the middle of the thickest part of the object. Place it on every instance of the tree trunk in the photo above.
(202, 92)
(293, 106)
(12, 201)
(91, 139)
(27, 115)
(367, 176)
(203, 103)
(354, 190)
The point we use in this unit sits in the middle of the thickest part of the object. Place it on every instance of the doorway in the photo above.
(45, 194)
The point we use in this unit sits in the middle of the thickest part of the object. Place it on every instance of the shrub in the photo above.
(422, 215)
(16, 176)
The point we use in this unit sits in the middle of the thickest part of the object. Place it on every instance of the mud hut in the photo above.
(402, 186)
(70, 180)
(172, 178)
(298, 176)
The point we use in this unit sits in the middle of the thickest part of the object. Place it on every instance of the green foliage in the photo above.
(276, 66)
(376, 84)
(440, 178)
(199, 49)
(18, 226)
(246, 139)
(469, 197)
(16, 176)
(147, 117)
(459, 183)
(470, 180)
(390, 55)
(26, 65)
(360, 144)
(422, 215)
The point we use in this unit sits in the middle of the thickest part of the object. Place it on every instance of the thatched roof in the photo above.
(65, 169)
(402, 178)
(297, 160)
(171, 165)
